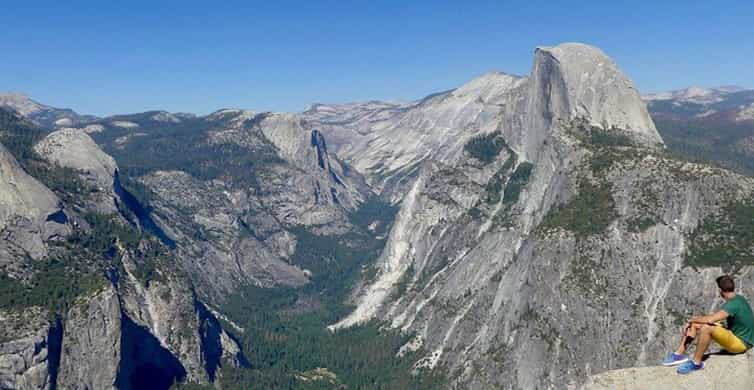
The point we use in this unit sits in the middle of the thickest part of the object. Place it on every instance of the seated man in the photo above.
(737, 337)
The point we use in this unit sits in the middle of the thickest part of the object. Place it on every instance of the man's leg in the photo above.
(729, 341)
(688, 336)
(702, 342)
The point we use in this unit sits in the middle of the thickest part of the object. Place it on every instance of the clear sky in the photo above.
(110, 57)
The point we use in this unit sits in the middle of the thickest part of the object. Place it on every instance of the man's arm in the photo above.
(710, 318)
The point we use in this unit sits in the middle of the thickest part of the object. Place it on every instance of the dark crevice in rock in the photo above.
(334, 194)
(316, 193)
(553, 83)
(58, 217)
(54, 349)
(141, 212)
(113, 276)
(318, 142)
(209, 331)
(335, 177)
(145, 363)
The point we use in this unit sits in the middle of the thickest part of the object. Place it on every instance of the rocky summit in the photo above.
(516, 232)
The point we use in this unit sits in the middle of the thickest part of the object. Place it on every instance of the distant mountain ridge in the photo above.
(729, 101)
(43, 115)
(695, 94)
(710, 124)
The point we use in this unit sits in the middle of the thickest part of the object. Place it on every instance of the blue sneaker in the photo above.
(690, 366)
(674, 359)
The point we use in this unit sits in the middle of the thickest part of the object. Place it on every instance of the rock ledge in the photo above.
(729, 372)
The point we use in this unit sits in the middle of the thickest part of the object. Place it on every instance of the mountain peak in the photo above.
(575, 80)
(20, 102)
(573, 49)
(41, 114)
(15, 95)
(487, 85)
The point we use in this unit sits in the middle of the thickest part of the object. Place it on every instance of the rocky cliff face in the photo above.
(578, 228)
(226, 222)
(229, 190)
(29, 345)
(26, 214)
(136, 320)
(92, 343)
(74, 149)
(388, 142)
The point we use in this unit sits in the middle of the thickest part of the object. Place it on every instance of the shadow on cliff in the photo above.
(141, 212)
(145, 364)
(55, 343)
(211, 331)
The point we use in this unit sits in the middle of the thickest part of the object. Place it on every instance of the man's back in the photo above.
(740, 318)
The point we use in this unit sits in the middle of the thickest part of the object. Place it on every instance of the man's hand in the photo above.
(687, 328)
(709, 319)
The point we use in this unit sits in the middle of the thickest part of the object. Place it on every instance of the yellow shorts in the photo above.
(728, 340)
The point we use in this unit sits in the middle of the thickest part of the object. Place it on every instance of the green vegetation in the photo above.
(494, 186)
(403, 283)
(79, 265)
(587, 274)
(285, 328)
(334, 261)
(55, 285)
(475, 212)
(725, 240)
(285, 334)
(184, 146)
(589, 212)
(499, 350)
(596, 137)
(503, 219)
(517, 182)
(141, 193)
(19, 137)
(607, 146)
(486, 147)
(640, 224)
(374, 210)
(708, 139)
(106, 231)
(607, 138)
(149, 255)
(281, 342)
(191, 386)
(603, 159)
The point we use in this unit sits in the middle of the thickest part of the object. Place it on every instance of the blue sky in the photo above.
(104, 58)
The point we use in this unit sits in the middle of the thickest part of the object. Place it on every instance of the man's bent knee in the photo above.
(707, 328)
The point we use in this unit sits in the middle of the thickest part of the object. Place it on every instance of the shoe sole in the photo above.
(689, 372)
(675, 363)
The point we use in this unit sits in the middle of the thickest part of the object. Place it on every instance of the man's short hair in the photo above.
(726, 283)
